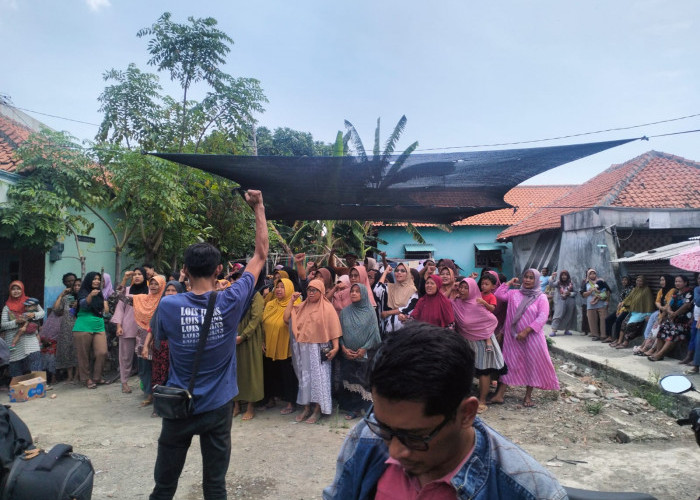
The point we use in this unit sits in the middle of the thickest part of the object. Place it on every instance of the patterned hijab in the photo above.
(398, 294)
(145, 305)
(529, 297)
(316, 322)
(359, 323)
(435, 309)
(472, 320)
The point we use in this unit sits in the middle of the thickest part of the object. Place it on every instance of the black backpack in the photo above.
(14, 439)
(27, 473)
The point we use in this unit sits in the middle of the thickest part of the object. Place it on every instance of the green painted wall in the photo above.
(457, 245)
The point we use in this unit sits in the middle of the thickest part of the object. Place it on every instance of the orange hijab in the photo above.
(146, 304)
(16, 305)
(316, 322)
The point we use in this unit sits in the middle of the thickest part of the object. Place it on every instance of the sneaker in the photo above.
(567, 332)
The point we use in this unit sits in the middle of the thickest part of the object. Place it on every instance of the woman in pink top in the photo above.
(524, 344)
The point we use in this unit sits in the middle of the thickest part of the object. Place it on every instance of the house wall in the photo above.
(457, 245)
(98, 255)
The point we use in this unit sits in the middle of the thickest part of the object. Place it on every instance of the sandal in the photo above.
(351, 415)
(91, 385)
(529, 404)
(126, 389)
(553, 334)
(655, 358)
(287, 410)
(608, 340)
(595, 339)
(146, 402)
(692, 371)
(315, 417)
(303, 415)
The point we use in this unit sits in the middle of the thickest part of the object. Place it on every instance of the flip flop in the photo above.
(351, 415)
(607, 341)
(529, 404)
(622, 346)
(145, 403)
(314, 418)
(287, 411)
(91, 385)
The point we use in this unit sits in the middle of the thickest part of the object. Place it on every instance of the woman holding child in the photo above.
(25, 351)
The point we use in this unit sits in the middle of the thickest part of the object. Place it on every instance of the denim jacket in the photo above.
(497, 469)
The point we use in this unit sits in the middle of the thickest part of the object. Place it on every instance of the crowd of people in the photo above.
(309, 333)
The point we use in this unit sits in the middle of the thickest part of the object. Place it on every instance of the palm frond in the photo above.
(444, 227)
(415, 234)
(338, 147)
(396, 167)
(394, 138)
(356, 141)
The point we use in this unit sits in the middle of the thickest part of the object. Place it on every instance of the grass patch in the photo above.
(593, 407)
(653, 394)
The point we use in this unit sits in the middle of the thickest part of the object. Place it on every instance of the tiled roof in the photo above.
(12, 134)
(525, 199)
(651, 180)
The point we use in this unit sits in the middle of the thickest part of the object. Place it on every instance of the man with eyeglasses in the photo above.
(422, 438)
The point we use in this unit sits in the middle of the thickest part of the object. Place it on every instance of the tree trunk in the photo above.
(117, 265)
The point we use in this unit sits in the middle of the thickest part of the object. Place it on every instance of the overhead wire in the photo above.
(497, 144)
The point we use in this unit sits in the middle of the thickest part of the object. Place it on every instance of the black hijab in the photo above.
(96, 306)
(669, 283)
(141, 289)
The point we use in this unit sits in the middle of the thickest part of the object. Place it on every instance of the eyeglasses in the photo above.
(409, 440)
(311, 291)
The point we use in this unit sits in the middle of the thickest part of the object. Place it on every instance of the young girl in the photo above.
(487, 284)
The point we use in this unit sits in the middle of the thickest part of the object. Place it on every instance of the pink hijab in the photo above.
(472, 320)
(364, 279)
(341, 298)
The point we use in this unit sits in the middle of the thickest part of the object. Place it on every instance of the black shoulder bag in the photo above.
(177, 403)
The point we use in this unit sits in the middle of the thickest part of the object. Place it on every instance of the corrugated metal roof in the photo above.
(661, 253)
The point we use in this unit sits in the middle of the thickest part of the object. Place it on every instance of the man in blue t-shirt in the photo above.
(180, 319)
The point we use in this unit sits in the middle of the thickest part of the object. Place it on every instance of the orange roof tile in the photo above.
(651, 180)
(525, 199)
(12, 134)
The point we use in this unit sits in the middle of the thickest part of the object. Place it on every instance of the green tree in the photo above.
(48, 200)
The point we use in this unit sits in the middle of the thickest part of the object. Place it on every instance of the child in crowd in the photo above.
(31, 327)
(487, 284)
(602, 291)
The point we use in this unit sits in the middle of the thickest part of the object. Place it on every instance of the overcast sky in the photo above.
(464, 73)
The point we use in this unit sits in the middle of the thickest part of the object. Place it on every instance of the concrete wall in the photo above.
(632, 218)
(457, 245)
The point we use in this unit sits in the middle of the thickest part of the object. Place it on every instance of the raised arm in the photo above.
(262, 240)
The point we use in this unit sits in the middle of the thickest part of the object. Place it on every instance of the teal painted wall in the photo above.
(98, 255)
(457, 245)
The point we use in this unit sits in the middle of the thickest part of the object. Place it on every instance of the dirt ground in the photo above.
(275, 458)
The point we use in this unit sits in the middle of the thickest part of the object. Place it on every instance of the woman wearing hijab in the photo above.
(358, 274)
(434, 307)
(448, 286)
(249, 358)
(341, 293)
(677, 319)
(358, 343)
(25, 355)
(315, 325)
(596, 305)
(127, 329)
(477, 324)
(89, 330)
(397, 299)
(279, 378)
(156, 347)
(639, 305)
(524, 345)
(564, 303)
(663, 297)
(614, 320)
(145, 306)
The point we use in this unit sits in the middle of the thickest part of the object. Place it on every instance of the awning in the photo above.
(418, 248)
(436, 188)
(661, 253)
(484, 247)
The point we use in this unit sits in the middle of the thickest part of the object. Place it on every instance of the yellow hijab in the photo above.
(276, 330)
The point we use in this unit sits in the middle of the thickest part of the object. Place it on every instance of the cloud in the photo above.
(96, 5)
